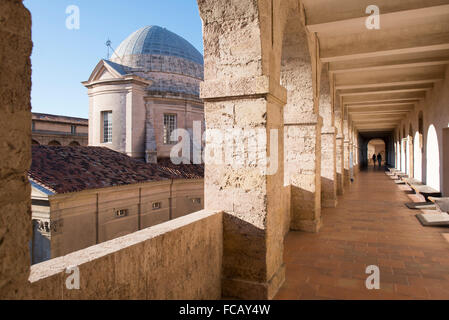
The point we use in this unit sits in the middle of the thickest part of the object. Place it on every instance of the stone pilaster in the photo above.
(328, 168)
(249, 196)
(347, 149)
(340, 165)
(303, 166)
(328, 144)
(300, 73)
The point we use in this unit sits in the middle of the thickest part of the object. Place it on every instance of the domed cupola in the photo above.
(156, 49)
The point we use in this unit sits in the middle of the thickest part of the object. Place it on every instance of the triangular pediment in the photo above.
(106, 70)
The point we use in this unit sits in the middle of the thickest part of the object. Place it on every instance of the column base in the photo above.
(331, 203)
(307, 225)
(250, 290)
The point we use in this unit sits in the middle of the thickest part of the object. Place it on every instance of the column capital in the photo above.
(304, 119)
(242, 87)
(328, 130)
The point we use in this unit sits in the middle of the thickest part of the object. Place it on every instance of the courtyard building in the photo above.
(87, 195)
(148, 88)
(320, 82)
(56, 130)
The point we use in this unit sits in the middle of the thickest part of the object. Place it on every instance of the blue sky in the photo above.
(62, 58)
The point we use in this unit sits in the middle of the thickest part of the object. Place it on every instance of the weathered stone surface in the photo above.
(302, 127)
(328, 144)
(137, 266)
(15, 147)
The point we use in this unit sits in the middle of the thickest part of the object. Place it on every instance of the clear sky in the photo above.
(62, 58)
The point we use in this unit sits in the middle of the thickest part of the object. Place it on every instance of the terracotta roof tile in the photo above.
(70, 169)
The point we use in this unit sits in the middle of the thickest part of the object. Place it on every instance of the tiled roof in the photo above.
(70, 169)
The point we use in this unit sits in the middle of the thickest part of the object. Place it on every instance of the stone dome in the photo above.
(162, 56)
(155, 40)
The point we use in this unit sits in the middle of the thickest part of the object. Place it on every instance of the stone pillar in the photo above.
(339, 147)
(346, 150)
(253, 237)
(328, 145)
(242, 96)
(300, 75)
(150, 136)
(15, 148)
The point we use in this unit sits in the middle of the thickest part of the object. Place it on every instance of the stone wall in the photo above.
(434, 109)
(15, 146)
(180, 259)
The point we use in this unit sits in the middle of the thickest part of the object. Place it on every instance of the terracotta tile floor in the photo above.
(370, 226)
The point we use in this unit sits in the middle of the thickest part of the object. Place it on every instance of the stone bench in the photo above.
(411, 181)
(433, 218)
(425, 191)
(442, 203)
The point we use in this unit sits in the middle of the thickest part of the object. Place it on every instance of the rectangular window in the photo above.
(121, 213)
(169, 127)
(196, 200)
(73, 129)
(107, 126)
(156, 205)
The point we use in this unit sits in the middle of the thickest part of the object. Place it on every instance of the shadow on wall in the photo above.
(328, 192)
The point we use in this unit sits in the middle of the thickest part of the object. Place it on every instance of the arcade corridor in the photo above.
(370, 226)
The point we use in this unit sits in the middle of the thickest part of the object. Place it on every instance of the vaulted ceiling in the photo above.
(380, 75)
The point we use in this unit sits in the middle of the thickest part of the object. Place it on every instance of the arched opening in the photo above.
(376, 147)
(433, 159)
(34, 142)
(410, 168)
(54, 143)
(74, 144)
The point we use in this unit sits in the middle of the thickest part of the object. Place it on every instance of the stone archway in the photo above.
(433, 159)
(74, 144)
(54, 143)
(374, 147)
(35, 142)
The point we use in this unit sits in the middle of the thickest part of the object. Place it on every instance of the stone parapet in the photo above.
(167, 261)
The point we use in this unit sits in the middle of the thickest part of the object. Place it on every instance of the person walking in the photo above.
(374, 160)
(379, 159)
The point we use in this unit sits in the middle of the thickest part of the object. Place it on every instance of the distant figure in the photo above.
(379, 159)
(374, 159)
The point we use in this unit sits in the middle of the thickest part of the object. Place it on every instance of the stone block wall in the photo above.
(15, 146)
(180, 259)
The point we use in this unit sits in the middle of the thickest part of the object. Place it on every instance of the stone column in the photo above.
(328, 145)
(300, 75)
(346, 150)
(339, 147)
(253, 237)
(242, 95)
(15, 148)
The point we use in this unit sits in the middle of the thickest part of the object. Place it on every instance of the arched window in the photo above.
(410, 153)
(54, 143)
(433, 159)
